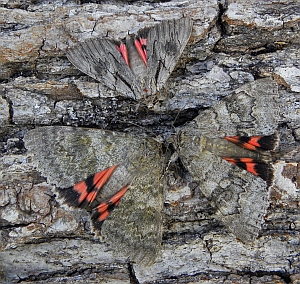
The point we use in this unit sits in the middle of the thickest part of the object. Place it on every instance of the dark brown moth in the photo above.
(139, 65)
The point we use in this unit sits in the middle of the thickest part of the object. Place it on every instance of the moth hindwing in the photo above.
(67, 155)
(139, 66)
(240, 196)
(257, 162)
(97, 192)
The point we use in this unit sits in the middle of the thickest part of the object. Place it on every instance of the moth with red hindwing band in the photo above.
(139, 66)
(67, 155)
(241, 197)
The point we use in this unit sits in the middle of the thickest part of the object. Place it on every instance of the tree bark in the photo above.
(235, 46)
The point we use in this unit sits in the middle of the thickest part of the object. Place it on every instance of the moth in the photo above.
(128, 174)
(227, 134)
(139, 65)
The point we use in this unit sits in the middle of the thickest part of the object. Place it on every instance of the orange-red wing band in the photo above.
(254, 142)
(83, 188)
(245, 163)
(85, 192)
(261, 169)
(99, 180)
(241, 141)
(124, 52)
(102, 211)
(143, 42)
(140, 45)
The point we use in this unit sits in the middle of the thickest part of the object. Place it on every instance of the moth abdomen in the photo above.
(223, 148)
(137, 63)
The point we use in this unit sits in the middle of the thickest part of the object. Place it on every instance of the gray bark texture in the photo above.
(167, 229)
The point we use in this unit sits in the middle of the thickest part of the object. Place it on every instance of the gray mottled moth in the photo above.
(138, 66)
(66, 155)
(240, 196)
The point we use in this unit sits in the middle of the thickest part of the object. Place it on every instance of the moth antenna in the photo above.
(173, 158)
(177, 115)
(139, 126)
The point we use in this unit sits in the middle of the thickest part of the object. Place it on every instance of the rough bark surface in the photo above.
(233, 43)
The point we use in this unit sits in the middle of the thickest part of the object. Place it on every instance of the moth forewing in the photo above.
(165, 43)
(143, 206)
(100, 59)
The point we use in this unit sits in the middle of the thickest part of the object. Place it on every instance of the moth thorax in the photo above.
(136, 63)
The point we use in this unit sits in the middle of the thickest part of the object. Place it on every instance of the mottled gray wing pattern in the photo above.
(165, 43)
(100, 58)
(67, 155)
(241, 198)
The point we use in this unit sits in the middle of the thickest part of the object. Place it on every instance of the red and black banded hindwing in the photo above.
(140, 45)
(241, 197)
(84, 195)
(101, 212)
(267, 142)
(258, 165)
(138, 66)
(259, 168)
